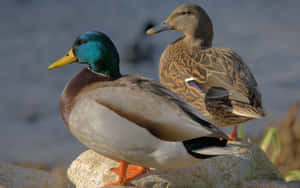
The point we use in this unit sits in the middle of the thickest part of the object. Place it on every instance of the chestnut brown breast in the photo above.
(81, 80)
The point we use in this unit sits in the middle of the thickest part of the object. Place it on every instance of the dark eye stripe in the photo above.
(183, 13)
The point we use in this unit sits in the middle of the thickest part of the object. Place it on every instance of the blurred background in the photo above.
(34, 33)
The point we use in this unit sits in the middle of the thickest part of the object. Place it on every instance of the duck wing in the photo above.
(219, 73)
(153, 107)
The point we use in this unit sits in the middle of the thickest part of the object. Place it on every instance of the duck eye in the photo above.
(83, 41)
(186, 13)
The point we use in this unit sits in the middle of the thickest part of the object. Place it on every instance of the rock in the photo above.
(12, 176)
(61, 174)
(271, 184)
(93, 170)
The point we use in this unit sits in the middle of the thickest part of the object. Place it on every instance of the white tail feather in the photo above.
(227, 150)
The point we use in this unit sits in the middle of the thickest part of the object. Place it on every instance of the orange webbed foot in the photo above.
(131, 171)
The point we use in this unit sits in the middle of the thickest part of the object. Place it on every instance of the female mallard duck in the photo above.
(131, 119)
(214, 80)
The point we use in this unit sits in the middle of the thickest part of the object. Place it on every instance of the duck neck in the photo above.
(108, 66)
(200, 35)
(197, 41)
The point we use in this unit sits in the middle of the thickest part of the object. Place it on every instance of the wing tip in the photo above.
(257, 114)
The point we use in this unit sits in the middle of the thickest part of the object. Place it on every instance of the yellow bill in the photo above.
(67, 59)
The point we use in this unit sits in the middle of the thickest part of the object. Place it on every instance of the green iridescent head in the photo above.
(95, 49)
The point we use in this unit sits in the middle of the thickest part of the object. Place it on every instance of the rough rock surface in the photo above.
(93, 170)
(12, 176)
(271, 184)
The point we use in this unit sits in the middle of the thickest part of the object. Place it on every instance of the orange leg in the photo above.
(234, 135)
(122, 175)
(126, 172)
(132, 171)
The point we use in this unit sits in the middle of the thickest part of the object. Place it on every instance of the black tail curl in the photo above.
(203, 142)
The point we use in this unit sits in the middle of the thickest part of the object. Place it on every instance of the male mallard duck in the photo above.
(214, 80)
(131, 119)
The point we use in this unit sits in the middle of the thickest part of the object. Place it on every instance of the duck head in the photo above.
(96, 50)
(191, 20)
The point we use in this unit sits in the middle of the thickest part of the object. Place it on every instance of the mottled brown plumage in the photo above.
(214, 80)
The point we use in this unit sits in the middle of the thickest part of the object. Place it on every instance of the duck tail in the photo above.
(206, 147)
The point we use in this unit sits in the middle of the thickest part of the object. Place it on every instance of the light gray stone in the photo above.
(93, 170)
(12, 176)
